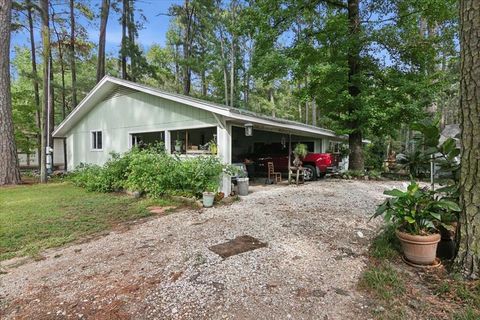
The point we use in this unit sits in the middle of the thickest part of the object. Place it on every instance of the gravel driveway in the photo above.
(317, 235)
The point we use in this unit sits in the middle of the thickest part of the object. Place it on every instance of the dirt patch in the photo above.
(236, 246)
(160, 210)
(162, 268)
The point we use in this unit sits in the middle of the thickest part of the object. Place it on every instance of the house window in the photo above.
(194, 141)
(148, 139)
(97, 140)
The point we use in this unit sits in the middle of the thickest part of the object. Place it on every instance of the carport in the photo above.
(268, 143)
(244, 133)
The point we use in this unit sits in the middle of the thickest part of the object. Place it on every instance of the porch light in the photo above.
(248, 129)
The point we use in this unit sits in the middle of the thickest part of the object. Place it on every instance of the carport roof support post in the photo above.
(168, 141)
(224, 143)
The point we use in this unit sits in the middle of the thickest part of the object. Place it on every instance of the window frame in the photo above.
(94, 138)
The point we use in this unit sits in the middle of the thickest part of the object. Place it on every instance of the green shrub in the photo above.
(110, 177)
(374, 153)
(374, 174)
(90, 177)
(174, 176)
(353, 174)
(154, 173)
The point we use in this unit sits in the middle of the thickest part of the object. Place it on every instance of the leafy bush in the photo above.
(173, 175)
(374, 174)
(352, 174)
(374, 153)
(154, 173)
(89, 177)
(110, 177)
(416, 162)
(416, 211)
(300, 151)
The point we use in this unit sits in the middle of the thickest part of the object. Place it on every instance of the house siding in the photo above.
(124, 113)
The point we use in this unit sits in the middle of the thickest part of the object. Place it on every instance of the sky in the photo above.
(155, 28)
(154, 31)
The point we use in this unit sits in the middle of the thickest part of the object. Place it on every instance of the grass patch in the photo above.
(36, 217)
(385, 246)
(383, 282)
(467, 314)
(426, 294)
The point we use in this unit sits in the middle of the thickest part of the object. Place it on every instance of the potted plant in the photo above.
(209, 195)
(212, 147)
(417, 214)
(299, 152)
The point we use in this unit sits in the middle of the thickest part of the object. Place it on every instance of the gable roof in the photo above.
(108, 84)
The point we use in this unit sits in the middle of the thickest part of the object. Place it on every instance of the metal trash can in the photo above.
(242, 184)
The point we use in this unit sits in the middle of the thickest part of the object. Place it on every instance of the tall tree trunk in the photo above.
(232, 73)
(468, 257)
(224, 65)
(187, 47)
(102, 39)
(307, 112)
(356, 161)
(36, 90)
(314, 113)
(9, 172)
(300, 114)
(233, 55)
(246, 88)
(246, 84)
(123, 49)
(51, 110)
(72, 54)
(46, 95)
(204, 82)
(177, 69)
(62, 65)
(272, 101)
(131, 40)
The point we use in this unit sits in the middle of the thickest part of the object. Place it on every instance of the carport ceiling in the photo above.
(257, 126)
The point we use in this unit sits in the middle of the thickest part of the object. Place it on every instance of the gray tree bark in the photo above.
(73, 66)
(9, 172)
(36, 89)
(46, 76)
(102, 39)
(123, 49)
(224, 67)
(356, 161)
(468, 256)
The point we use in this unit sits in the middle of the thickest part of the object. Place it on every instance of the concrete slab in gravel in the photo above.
(163, 269)
(236, 246)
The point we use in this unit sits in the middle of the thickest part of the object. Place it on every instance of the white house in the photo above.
(118, 114)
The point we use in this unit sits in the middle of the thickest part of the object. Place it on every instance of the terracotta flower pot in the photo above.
(419, 249)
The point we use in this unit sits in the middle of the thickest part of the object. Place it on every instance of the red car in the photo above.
(316, 165)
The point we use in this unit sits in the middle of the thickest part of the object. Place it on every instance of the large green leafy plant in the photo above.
(445, 157)
(153, 172)
(417, 210)
(300, 151)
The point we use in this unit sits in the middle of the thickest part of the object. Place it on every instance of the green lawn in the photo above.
(36, 217)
